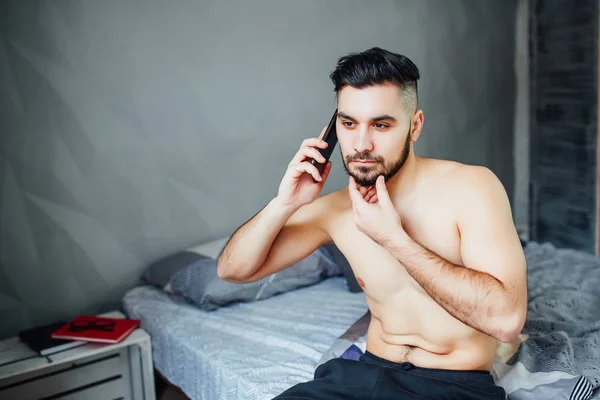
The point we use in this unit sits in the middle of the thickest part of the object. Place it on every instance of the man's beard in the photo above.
(367, 175)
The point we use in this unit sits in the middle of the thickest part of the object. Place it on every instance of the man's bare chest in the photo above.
(376, 268)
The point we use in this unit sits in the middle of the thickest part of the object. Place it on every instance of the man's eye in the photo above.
(348, 124)
(380, 126)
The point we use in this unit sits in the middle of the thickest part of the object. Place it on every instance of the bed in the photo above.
(250, 350)
(258, 349)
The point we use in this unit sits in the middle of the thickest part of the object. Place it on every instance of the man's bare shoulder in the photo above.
(477, 180)
(472, 186)
(454, 177)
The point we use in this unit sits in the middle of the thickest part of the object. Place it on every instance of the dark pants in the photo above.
(373, 377)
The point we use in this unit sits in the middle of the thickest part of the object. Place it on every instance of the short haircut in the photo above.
(377, 66)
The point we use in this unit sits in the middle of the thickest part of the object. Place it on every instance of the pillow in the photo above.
(192, 274)
(160, 272)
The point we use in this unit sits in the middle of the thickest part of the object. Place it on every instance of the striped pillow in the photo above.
(192, 274)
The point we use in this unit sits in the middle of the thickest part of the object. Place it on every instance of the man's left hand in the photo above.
(374, 212)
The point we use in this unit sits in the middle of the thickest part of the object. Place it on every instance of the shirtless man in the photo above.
(432, 243)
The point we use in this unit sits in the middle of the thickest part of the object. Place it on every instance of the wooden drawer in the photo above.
(81, 381)
(110, 390)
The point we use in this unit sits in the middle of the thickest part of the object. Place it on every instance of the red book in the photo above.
(88, 328)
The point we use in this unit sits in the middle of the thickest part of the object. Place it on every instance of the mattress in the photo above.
(258, 350)
(247, 350)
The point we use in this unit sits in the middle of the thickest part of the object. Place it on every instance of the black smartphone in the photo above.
(330, 137)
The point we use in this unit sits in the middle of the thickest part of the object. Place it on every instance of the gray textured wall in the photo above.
(564, 125)
(131, 129)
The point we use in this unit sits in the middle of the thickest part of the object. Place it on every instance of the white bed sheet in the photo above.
(247, 350)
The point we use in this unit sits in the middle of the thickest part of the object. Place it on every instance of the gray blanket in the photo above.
(561, 357)
(563, 320)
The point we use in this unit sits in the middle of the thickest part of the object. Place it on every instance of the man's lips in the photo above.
(364, 161)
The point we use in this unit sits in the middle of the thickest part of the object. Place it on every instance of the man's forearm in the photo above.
(475, 298)
(249, 245)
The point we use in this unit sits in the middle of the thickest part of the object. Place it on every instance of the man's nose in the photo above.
(363, 141)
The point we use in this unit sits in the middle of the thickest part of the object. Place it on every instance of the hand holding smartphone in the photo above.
(330, 136)
(294, 189)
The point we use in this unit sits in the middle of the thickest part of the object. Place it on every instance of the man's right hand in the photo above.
(297, 186)
(283, 232)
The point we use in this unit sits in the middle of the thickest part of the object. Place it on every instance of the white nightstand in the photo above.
(90, 371)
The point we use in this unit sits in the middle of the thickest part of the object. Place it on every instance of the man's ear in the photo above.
(416, 125)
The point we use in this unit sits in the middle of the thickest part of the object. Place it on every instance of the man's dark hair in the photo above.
(377, 66)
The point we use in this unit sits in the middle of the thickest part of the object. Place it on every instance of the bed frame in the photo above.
(162, 384)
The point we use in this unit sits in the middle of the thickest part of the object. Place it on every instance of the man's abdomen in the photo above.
(409, 326)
